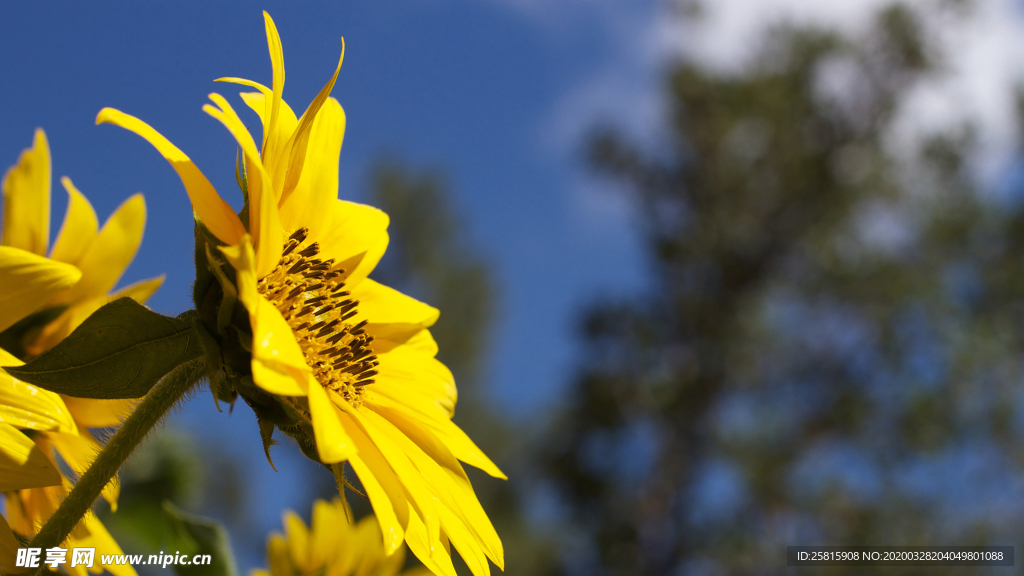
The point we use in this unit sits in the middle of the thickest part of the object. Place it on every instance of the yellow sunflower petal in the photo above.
(60, 328)
(81, 306)
(264, 218)
(22, 463)
(286, 120)
(110, 253)
(273, 153)
(297, 144)
(8, 549)
(426, 407)
(387, 337)
(297, 536)
(355, 236)
(278, 556)
(79, 450)
(363, 546)
(79, 228)
(380, 304)
(317, 189)
(277, 378)
(451, 483)
(332, 443)
(277, 85)
(102, 262)
(328, 528)
(382, 487)
(257, 101)
(374, 561)
(27, 281)
(209, 207)
(417, 380)
(453, 438)
(274, 349)
(347, 544)
(26, 188)
(95, 413)
(141, 290)
(434, 557)
(408, 474)
(18, 514)
(25, 406)
(466, 543)
(445, 479)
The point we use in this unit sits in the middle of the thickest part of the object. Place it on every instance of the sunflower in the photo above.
(27, 281)
(352, 357)
(331, 547)
(98, 257)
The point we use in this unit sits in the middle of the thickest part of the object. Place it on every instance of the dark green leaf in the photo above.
(120, 351)
(196, 536)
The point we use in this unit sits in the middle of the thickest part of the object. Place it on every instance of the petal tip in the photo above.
(105, 116)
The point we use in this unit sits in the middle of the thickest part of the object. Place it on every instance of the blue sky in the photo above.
(497, 95)
(476, 89)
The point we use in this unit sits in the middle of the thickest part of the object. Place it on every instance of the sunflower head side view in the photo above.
(292, 324)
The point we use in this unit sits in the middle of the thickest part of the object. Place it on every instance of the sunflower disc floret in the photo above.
(310, 295)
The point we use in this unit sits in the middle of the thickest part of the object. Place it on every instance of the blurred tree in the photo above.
(831, 352)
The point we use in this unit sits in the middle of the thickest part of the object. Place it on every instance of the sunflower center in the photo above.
(311, 296)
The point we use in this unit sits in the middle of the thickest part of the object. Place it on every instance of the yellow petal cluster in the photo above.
(354, 357)
(82, 268)
(331, 546)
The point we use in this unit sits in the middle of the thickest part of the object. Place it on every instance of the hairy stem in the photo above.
(150, 410)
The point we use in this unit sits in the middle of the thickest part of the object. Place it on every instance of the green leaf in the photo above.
(120, 351)
(13, 338)
(193, 535)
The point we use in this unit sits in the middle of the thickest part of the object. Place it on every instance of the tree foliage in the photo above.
(830, 354)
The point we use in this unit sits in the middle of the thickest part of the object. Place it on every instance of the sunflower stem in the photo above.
(150, 410)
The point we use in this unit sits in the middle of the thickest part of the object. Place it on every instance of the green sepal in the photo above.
(229, 294)
(266, 406)
(240, 176)
(120, 351)
(222, 389)
(267, 435)
(194, 535)
(220, 386)
(280, 412)
(300, 427)
(243, 183)
(204, 279)
(305, 438)
(14, 337)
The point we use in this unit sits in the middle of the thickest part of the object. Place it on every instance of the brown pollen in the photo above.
(311, 296)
